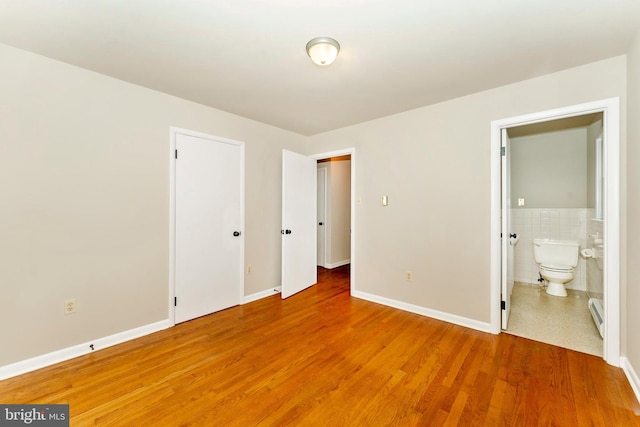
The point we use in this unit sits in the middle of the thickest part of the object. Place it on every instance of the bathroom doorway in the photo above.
(555, 194)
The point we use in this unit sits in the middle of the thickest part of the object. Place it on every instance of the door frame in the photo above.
(350, 152)
(610, 109)
(173, 132)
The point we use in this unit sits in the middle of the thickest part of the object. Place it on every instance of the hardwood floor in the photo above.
(322, 358)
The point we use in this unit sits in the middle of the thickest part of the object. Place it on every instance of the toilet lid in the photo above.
(556, 267)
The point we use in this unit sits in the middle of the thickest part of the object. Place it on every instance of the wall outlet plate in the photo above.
(70, 306)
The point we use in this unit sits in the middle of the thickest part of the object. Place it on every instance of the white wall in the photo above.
(549, 170)
(84, 184)
(434, 163)
(632, 294)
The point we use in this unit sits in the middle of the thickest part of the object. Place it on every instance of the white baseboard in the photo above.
(260, 295)
(435, 314)
(337, 264)
(58, 356)
(632, 376)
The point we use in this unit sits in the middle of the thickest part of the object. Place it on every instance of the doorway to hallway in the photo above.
(338, 219)
(334, 211)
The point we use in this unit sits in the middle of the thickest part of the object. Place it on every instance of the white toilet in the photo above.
(557, 260)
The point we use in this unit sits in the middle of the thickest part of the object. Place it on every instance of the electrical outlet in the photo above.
(70, 306)
(408, 276)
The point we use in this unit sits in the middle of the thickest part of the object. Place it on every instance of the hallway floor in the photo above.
(565, 322)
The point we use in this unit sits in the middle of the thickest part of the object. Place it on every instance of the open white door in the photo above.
(507, 248)
(322, 220)
(298, 223)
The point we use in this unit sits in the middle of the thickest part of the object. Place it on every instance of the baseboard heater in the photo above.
(597, 312)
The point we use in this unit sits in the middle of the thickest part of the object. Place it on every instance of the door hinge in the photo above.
(503, 305)
(503, 151)
(176, 154)
(175, 301)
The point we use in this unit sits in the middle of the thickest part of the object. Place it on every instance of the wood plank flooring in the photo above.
(322, 358)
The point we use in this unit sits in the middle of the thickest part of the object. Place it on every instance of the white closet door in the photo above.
(209, 240)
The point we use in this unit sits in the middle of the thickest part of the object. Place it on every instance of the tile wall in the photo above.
(595, 274)
(559, 224)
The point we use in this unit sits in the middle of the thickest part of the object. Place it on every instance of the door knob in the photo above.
(321, 223)
(236, 233)
(513, 235)
(287, 231)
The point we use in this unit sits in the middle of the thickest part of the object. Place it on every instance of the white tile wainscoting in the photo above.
(595, 265)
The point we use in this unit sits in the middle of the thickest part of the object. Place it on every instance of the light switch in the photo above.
(520, 202)
(385, 200)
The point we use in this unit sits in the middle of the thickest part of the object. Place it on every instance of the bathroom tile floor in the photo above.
(565, 322)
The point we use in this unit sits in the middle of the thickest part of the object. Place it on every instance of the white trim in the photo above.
(337, 264)
(64, 354)
(632, 376)
(351, 152)
(259, 295)
(434, 314)
(172, 223)
(173, 132)
(611, 131)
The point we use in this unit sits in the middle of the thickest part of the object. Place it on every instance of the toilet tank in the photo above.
(556, 252)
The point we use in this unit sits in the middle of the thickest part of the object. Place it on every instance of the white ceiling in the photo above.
(248, 56)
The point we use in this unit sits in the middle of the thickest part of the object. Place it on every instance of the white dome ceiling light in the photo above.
(323, 50)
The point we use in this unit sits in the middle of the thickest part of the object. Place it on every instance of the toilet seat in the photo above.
(556, 268)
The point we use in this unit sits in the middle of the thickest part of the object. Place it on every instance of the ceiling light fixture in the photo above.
(323, 50)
